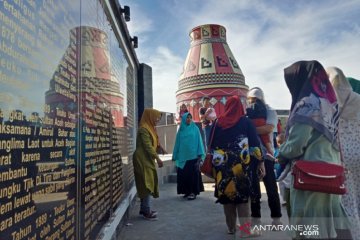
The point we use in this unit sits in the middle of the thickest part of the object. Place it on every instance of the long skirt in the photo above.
(189, 179)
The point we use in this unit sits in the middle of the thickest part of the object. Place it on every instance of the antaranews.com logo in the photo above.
(303, 230)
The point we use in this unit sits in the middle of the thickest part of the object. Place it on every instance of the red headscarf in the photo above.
(232, 114)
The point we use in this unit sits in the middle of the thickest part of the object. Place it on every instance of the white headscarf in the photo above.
(348, 100)
(256, 92)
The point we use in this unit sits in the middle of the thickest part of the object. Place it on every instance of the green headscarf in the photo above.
(355, 84)
(188, 144)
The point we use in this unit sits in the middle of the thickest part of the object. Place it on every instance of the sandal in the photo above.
(150, 217)
(152, 212)
(191, 197)
(186, 195)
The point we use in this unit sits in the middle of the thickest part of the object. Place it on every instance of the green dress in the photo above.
(146, 178)
(307, 207)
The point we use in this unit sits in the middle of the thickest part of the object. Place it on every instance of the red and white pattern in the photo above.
(211, 70)
(90, 47)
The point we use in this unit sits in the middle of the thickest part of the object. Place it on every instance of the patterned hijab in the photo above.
(232, 114)
(313, 99)
(348, 100)
(148, 121)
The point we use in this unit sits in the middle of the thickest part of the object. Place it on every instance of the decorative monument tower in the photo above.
(210, 70)
(89, 46)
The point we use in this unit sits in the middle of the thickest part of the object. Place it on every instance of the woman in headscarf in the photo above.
(146, 178)
(188, 153)
(235, 147)
(349, 135)
(311, 132)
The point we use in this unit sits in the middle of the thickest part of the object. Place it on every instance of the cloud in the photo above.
(140, 22)
(264, 36)
(265, 39)
(166, 67)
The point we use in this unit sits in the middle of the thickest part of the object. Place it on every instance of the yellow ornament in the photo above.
(257, 153)
(237, 170)
(230, 190)
(247, 159)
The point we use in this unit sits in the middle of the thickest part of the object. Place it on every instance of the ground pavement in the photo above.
(181, 219)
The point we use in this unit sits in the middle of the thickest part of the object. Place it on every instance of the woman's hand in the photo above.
(261, 169)
(161, 150)
(199, 163)
(159, 163)
(282, 160)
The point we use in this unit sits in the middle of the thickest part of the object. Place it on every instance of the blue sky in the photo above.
(264, 36)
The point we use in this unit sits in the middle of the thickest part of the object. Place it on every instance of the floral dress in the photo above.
(349, 140)
(236, 151)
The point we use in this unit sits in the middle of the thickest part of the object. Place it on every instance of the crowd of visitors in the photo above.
(320, 137)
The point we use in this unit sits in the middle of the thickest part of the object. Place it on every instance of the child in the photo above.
(183, 109)
(207, 116)
(207, 113)
(257, 112)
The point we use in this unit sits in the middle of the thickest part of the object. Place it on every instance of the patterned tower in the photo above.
(89, 46)
(211, 70)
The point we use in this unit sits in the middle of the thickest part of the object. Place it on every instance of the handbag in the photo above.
(319, 177)
(207, 167)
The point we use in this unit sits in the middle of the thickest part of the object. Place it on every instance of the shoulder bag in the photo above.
(319, 177)
(207, 166)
